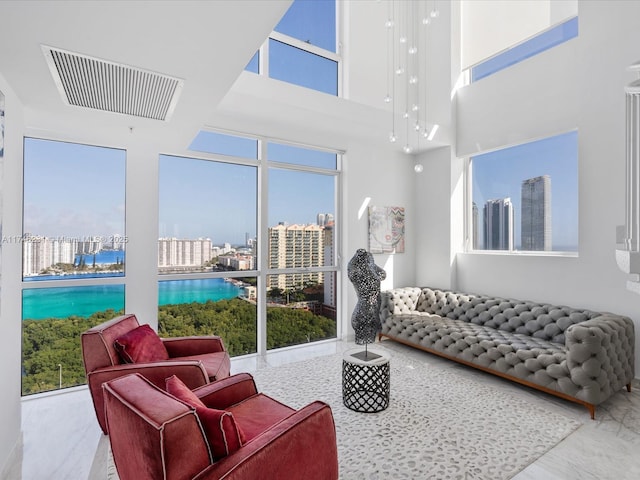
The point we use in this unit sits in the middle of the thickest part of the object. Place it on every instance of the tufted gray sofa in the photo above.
(575, 354)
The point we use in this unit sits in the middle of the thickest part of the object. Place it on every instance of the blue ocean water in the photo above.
(104, 256)
(62, 302)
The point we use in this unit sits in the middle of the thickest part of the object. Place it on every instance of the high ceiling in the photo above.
(206, 44)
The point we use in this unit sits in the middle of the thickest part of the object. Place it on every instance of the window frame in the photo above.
(262, 270)
(26, 284)
(263, 52)
(468, 216)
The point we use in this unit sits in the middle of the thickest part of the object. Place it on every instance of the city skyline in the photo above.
(499, 174)
(296, 246)
(535, 228)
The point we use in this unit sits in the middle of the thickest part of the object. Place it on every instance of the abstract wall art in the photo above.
(386, 229)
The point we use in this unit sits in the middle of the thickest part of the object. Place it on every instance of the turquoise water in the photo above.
(62, 302)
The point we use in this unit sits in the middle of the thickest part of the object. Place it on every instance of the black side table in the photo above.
(365, 381)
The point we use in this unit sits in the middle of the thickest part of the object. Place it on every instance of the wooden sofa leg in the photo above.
(629, 387)
(592, 410)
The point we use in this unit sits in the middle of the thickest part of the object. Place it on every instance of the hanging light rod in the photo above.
(407, 42)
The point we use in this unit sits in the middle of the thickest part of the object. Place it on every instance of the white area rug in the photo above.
(439, 424)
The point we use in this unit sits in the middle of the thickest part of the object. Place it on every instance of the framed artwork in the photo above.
(386, 229)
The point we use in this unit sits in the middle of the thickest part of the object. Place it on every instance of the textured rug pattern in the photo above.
(439, 424)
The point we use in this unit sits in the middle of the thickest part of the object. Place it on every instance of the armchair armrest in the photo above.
(191, 372)
(187, 346)
(227, 391)
(301, 446)
(600, 355)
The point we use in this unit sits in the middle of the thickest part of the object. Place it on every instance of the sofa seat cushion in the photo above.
(216, 364)
(141, 345)
(258, 413)
(529, 358)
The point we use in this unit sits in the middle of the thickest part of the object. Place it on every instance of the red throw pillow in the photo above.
(220, 428)
(221, 431)
(178, 389)
(141, 345)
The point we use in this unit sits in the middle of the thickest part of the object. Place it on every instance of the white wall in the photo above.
(377, 177)
(437, 219)
(10, 353)
(577, 84)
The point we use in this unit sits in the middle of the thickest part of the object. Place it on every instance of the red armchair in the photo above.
(154, 435)
(195, 360)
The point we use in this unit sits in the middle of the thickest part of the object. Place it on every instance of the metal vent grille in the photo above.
(89, 82)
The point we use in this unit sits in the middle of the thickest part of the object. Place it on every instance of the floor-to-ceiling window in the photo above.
(301, 244)
(248, 242)
(73, 261)
(208, 211)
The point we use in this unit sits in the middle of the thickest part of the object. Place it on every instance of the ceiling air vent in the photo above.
(102, 85)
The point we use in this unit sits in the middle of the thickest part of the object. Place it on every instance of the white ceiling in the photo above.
(205, 43)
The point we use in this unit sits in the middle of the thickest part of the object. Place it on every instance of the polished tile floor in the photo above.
(61, 439)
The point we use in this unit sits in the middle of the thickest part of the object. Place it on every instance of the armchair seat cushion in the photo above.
(216, 364)
(258, 413)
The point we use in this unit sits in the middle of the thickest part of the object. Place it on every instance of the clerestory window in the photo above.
(302, 49)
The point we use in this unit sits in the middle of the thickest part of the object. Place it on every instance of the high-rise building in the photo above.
(474, 226)
(498, 224)
(173, 252)
(40, 253)
(295, 246)
(536, 213)
(329, 279)
(325, 219)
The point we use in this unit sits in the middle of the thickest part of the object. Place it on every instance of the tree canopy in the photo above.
(52, 357)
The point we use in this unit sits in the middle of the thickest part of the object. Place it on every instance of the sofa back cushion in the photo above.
(442, 302)
(544, 321)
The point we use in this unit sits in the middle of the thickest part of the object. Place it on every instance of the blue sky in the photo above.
(73, 190)
(294, 196)
(199, 198)
(500, 174)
